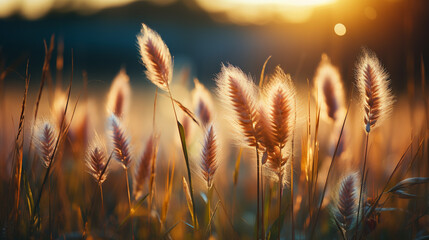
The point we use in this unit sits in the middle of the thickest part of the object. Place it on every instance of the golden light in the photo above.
(340, 29)
(370, 13)
(262, 11)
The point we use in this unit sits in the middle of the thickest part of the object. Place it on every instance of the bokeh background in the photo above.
(201, 34)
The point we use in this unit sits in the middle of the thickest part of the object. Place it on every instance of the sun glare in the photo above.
(283, 2)
(340, 29)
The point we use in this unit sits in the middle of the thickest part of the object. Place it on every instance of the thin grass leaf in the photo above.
(28, 193)
(261, 80)
(340, 229)
(409, 182)
(134, 209)
(164, 236)
(274, 231)
(404, 195)
(212, 216)
(187, 111)
(185, 154)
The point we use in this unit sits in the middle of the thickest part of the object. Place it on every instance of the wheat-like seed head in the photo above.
(280, 99)
(96, 160)
(156, 57)
(346, 200)
(203, 103)
(209, 162)
(118, 99)
(46, 137)
(328, 89)
(373, 84)
(143, 168)
(120, 141)
(237, 92)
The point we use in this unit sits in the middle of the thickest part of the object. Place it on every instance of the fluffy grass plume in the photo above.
(46, 137)
(280, 96)
(203, 103)
(96, 160)
(143, 168)
(156, 57)
(209, 162)
(279, 99)
(118, 99)
(345, 201)
(373, 84)
(328, 89)
(238, 94)
(120, 141)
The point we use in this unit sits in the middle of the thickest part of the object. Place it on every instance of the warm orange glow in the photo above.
(340, 29)
(370, 13)
(34, 9)
(260, 12)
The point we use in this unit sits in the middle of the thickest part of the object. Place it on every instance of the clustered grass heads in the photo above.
(118, 99)
(375, 94)
(344, 206)
(143, 168)
(156, 57)
(46, 137)
(203, 103)
(280, 97)
(328, 88)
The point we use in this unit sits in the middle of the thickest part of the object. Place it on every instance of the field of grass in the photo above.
(255, 157)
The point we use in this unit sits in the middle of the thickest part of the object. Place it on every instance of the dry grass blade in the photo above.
(19, 144)
(373, 85)
(187, 111)
(45, 71)
(156, 58)
(209, 160)
(120, 142)
(169, 187)
(153, 169)
(189, 199)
